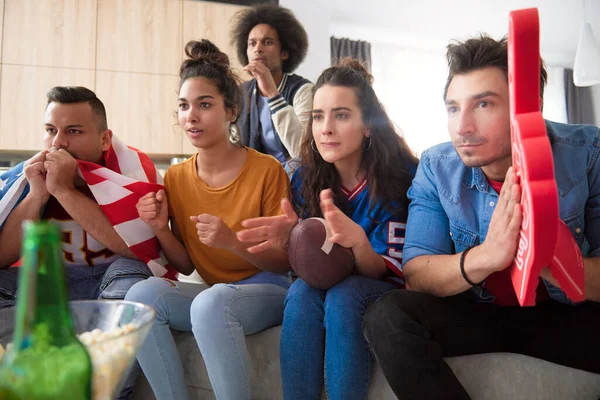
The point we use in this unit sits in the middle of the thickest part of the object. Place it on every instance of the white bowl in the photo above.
(111, 357)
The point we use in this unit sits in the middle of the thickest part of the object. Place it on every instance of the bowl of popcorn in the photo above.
(111, 330)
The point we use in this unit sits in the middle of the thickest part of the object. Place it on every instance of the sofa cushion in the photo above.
(495, 376)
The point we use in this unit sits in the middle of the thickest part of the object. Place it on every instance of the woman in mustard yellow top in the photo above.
(206, 199)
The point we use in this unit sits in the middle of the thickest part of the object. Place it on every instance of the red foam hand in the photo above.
(534, 166)
(532, 161)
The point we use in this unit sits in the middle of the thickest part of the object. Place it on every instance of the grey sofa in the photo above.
(496, 376)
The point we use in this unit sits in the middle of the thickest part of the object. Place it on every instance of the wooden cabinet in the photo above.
(141, 109)
(212, 21)
(140, 36)
(51, 33)
(1, 26)
(23, 101)
(127, 51)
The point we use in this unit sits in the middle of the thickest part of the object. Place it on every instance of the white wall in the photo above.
(408, 45)
(592, 15)
(315, 18)
(435, 21)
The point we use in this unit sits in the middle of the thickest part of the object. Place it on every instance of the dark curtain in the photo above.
(243, 2)
(357, 49)
(580, 103)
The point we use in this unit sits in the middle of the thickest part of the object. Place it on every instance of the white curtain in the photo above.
(410, 84)
(555, 102)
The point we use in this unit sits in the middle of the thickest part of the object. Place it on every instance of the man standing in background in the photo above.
(271, 43)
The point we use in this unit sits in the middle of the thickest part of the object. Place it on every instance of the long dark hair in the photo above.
(207, 61)
(387, 161)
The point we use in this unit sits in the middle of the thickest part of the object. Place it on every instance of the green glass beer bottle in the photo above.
(45, 361)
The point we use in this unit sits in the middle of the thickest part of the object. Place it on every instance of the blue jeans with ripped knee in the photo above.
(106, 281)
(219, 316)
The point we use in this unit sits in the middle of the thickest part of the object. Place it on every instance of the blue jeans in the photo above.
(108, 281)
(322, 336)
(219, 316)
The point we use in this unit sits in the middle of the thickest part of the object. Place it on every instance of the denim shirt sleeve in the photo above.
(428, 225)
(577, 171)
(592, 206)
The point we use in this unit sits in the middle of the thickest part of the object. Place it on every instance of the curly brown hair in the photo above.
(388, 162)
(292, 35)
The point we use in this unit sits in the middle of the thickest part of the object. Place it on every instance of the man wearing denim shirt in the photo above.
(465, 196)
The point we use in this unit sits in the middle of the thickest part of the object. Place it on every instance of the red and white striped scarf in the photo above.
(128, 174)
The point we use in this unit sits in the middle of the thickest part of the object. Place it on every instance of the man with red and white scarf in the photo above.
(87, 182)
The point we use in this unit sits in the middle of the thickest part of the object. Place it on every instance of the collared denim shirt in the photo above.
(452, 204)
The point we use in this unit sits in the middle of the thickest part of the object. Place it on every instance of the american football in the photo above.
(315, 259)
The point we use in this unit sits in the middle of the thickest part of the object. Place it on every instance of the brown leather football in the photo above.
(315, 259)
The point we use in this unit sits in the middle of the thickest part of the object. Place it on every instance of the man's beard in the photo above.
(479, 163)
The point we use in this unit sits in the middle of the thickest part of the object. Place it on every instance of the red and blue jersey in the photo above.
(384, 229)
(77, 245)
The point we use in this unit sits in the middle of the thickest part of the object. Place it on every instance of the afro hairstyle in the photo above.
(292, 36)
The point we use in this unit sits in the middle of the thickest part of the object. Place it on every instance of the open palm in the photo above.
(269, 232)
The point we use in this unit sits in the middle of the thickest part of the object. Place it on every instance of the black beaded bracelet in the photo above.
(462, 268)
